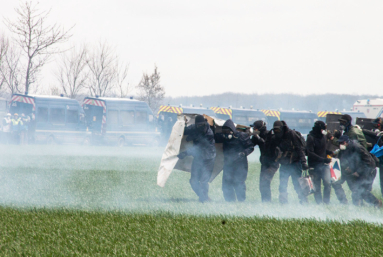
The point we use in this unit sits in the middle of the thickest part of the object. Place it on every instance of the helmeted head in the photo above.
(9, 115)
(259, 125)
(319, 127)
(200, 123)
(16, 115)
(278, 128)
(345, 121)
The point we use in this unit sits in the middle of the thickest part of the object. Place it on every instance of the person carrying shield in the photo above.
(204, 154)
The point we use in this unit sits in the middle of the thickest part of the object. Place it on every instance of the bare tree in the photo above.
(10, 71)
(101, 64)
(107, 75)
(123, 87)
(72, 73)
(36, 38)
(4, 44)
(150, 89)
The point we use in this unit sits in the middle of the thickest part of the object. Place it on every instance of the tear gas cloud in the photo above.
(124, 179)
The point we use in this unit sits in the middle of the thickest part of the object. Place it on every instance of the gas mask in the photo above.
(226, 131)
(200, 127)
(278, 133)
(343, 147)
(324, 132)
(343, 125)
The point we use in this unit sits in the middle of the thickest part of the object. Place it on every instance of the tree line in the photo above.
(94, 70)
(313, 102)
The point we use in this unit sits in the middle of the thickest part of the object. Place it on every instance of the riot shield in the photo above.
(365, 123)
(332, 121)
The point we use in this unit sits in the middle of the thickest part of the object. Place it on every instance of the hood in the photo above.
(285, 125)
(230, 124)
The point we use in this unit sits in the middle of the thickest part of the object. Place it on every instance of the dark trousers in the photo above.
(361, 187)
(233, 180)
(322, 173)
(201, 171)
(295, 171)
(267, 173)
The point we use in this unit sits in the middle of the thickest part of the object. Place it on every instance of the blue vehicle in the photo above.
(54, 119)
(239, 115)
(120, 121)
(167, 117)
(301, 121)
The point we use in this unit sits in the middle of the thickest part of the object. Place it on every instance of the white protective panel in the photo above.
(169, 158)
(177, 143)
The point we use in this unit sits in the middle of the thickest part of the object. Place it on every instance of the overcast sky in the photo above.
(211, 46)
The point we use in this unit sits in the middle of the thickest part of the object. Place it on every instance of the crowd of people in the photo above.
(16, 129)
(285, 150)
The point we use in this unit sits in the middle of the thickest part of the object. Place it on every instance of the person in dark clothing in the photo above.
(236, 147)
(292, 159)
(204, 153)
(268, 165)
(359, 170)
(319, 165)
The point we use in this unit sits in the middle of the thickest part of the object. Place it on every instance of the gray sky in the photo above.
(204, 47)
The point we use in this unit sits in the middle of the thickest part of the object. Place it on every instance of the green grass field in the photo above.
(104, 201)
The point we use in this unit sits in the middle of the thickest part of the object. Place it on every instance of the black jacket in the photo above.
(356, 158)
(240, 142)
(292, 149)
(204, 143)
(263, 141)
(316, 149)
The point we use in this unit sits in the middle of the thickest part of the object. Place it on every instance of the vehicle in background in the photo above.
(301, 121)
(354, 115)
(54, 119)
(239, 115)
(371, 108)
(120, 121)
(323, 114)
(167, 117)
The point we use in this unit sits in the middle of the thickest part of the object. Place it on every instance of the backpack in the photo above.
(301, 139)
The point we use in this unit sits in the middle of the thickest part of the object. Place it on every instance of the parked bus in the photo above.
(120, 121)
(301, 121)
(239, 115)
(54, 119)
